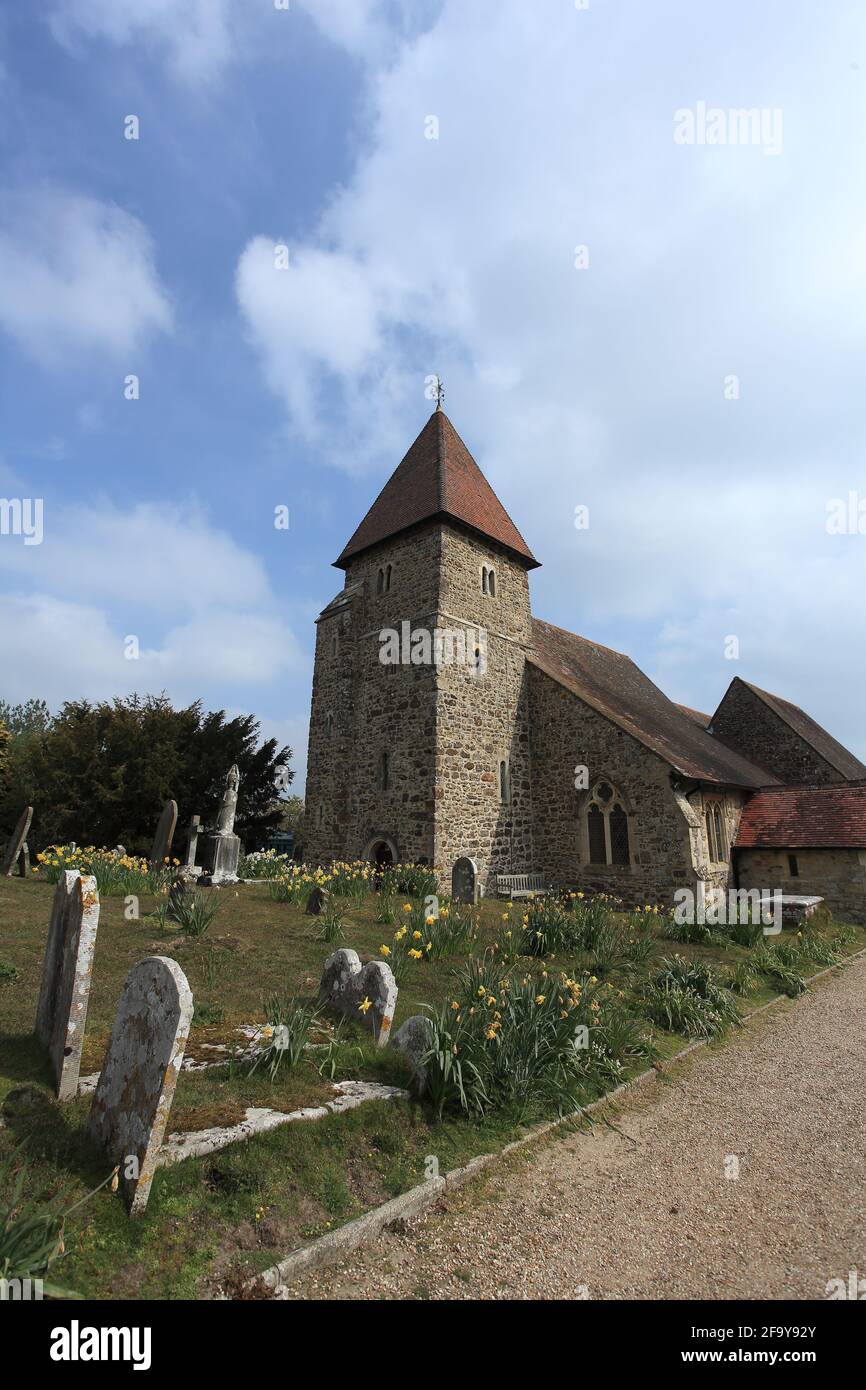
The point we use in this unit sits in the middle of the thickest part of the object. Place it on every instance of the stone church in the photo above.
(448, 721)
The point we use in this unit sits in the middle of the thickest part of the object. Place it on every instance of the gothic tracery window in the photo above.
(607, 827)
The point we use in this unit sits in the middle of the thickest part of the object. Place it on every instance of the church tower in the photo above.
(419, 730)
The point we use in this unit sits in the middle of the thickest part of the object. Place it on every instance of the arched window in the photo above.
(607, 827)
(504, 782)
(329, 723)
(597, 845)
(321, 814)
(716, 844)
(618, 822)
(385, 770)
(491, 583)
(335, 642)
(380, 582)
(484, 579)
(387, 579)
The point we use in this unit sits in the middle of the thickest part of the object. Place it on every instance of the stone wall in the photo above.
(836, 875)
(567, 733)
(745, 723)
(483, 720)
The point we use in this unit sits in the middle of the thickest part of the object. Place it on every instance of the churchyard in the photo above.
(532, 1009)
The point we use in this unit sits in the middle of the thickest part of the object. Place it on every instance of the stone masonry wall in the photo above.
(374, 708)
(747, 725)
(483, 720)
(567, 733)
(837, 875)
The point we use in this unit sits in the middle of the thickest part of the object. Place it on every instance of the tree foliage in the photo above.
(100, 773)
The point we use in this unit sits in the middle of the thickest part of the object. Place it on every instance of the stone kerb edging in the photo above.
(330, 1248)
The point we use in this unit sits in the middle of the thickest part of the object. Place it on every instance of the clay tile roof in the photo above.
(613, 685)
(697, 715)
(824, 744)
(825, 817)
(438, 477)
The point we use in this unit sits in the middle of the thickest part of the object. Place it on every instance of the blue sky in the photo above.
(602, 386)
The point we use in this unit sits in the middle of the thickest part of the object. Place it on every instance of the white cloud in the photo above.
(200, 39)
(76, 275)
(195, 36)
(149, 555)
(605, 386)
(198, 605)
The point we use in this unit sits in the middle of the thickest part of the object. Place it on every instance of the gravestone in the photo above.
(136, 1086)
(464, 881)
(318, 899)
(222, 848)
(365, 993)
(161, 846)
(15, 843)
(66, 970)
(414, 1038)
(190, 868)
(24, 861)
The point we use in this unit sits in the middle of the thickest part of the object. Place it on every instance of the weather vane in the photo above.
(438, 392)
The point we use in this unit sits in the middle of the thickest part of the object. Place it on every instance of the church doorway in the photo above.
(381, 850)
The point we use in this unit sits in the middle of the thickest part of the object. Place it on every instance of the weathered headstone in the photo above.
(365, 993)
(317, 900)
(24, 861)
(66, 972)
(136, 1086)
(15, 843)
(414, 1039)
(192, 833)
(222, 848)
(464, 881)
(161, 846)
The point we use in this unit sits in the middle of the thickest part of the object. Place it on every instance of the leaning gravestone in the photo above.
(159, 850)
(464, 881)
(15, 844)
(24, 861)
(136, 1085)
(365, 993)
(66, 972)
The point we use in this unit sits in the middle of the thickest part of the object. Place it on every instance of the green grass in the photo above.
(212, 1222)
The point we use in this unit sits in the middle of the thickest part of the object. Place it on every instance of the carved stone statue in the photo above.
(229, 804)
(222, 847)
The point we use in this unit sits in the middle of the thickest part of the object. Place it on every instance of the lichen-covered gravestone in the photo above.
(66, 972)
(414, 1038)
(367, 993)
(464, 881)
(159, 850)
(138, 1078)
(15, 843)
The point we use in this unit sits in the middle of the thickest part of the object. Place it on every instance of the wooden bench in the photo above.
(513, 886)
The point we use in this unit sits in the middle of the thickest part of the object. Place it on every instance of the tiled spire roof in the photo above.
(438, 477)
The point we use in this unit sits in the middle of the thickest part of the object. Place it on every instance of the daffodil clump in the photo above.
(527, 1044)
(295, 882)
(263, 863)
(116, 875)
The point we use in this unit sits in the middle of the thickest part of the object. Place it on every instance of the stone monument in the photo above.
(66, 973)
(16, 848)
(136, 1085)
(161, 846)
(222, 848)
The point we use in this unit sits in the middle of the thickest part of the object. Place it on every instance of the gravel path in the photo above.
(653, 1215)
